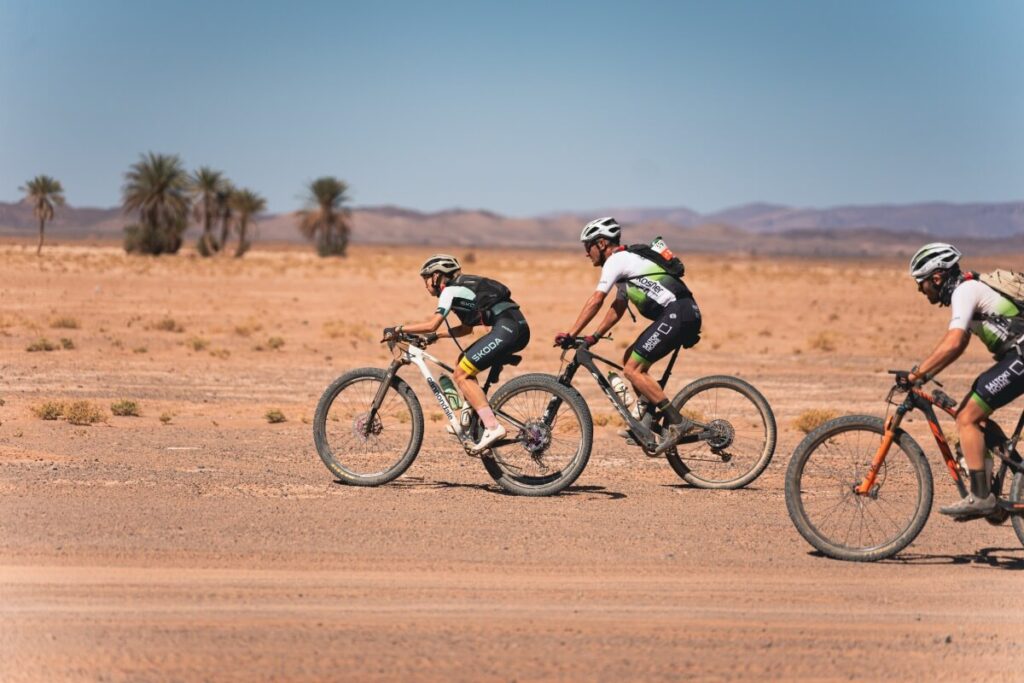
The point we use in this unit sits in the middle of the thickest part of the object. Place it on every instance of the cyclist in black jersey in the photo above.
(977, 310)
(475, 301)
(659, 296)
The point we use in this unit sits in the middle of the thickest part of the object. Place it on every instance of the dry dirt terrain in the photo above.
(198, 541)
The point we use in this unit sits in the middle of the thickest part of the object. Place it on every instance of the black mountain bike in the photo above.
(368, 425)
(859, 488)
(732, 439)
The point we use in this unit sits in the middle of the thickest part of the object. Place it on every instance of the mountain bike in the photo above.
(368, 425)
(859, 488)
(732, 435)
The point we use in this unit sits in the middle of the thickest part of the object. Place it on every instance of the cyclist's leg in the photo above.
(993, 389)
(509, 335)
(678, 326)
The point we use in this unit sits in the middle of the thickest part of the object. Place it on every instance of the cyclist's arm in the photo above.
(590, 309)
(457, 331)
(949, 349)
(424, 327)
(613, 316)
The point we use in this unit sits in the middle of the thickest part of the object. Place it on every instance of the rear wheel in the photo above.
(551, 447)
(739, 428)
(846, 525)
(359, 449)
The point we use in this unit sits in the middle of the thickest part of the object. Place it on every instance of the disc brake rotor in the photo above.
(535, 437)
(722, 434)
(363, 430)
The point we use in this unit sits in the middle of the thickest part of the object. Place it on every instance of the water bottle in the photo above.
(620, 388)
(658, 245)
(450, 392)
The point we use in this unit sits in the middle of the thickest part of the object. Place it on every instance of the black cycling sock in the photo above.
(670, 412)
(980, 484)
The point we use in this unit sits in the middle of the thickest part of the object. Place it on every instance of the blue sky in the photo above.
(524, 107)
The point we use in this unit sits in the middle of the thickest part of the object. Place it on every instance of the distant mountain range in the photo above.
(765, 228)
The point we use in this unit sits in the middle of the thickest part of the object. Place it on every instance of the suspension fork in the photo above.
(378, 399)
(891, 425)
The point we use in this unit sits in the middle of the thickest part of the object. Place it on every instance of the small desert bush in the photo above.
(275, 416)
(64, 323)
(248, 329)
(83, 413)
(340, 328)
(197, 344)
(48, 410)
(823, 341)
(167, 325)
(223, 354)
(125, 408)
(275, 343)
(810, 420)
(67, 344)
(140, 349)
(41, 344)
(166, 418)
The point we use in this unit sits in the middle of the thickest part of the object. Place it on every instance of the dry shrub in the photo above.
(167, 325)
(275, 343)
(48, 410)
(223, 354)
(810, 420)
(166, 418)
(469, 257)
(340, 328)
(823, 341)
(274, 416)
(64, 323)
(140, 349)
(247, 329)
(83, 413)
(125, 408)
(197, 343)
(41, 344)
(605, 419)
(67, 344)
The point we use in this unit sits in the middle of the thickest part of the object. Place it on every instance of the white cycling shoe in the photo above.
(489, 437)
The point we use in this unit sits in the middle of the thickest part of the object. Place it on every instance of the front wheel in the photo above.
(361, 449)
(737, 434)
(827, 466)
(1017, 498)
(551, 436)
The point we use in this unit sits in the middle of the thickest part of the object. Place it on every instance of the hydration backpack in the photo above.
(489, 293)
(670, 264)
(1009, 283)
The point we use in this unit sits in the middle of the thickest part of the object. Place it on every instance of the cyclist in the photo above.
(981, 310)
(659, 296)
(475, 301)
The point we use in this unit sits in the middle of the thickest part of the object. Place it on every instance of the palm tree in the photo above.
(157, 187)
(326, 218)
(224, 211)
(43, 193)
(246, 204)
(204, 184)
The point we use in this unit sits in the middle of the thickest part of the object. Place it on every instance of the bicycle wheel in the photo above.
(820, 497)
(744, 433)
(547, 455)
(1016, 496)
(362, 454)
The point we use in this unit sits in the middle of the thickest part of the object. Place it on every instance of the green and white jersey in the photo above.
(643, 282)
(972, 303)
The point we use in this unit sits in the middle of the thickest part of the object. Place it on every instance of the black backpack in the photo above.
(672, 266)
(488, 293)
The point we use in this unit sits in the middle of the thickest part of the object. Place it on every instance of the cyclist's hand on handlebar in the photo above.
(590, 340)
(903, 380)
(564, 340)
(390, 333)
(430, 337)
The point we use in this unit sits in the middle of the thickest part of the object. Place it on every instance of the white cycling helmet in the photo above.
(440, 263)
(606, 227)
(932, 257)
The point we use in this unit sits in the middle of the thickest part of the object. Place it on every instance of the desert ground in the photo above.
(200, 541)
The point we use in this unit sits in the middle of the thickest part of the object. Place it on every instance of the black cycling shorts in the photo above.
(678, 325)
(509, 334)
(1000, 384)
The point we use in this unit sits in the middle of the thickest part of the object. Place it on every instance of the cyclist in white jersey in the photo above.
(659, 296)
(981, 311)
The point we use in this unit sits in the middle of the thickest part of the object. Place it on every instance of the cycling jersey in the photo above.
(475, 300)
(641, 281)
(978, 308)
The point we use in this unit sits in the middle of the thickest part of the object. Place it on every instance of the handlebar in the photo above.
(420, 340)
